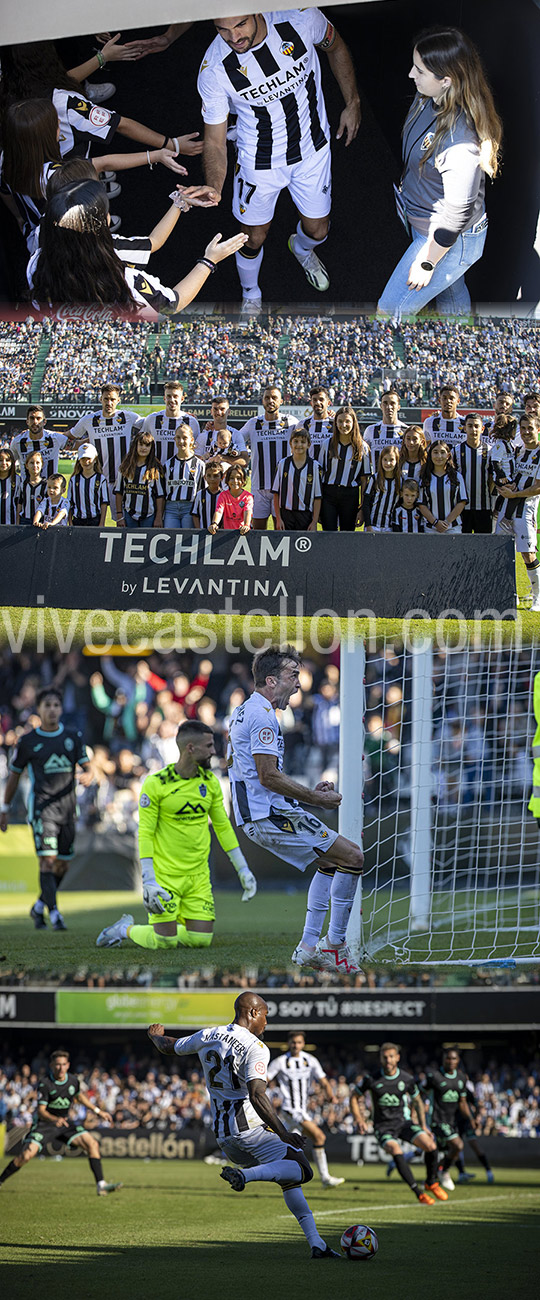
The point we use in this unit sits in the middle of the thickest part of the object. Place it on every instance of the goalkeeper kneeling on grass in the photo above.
(175, 805)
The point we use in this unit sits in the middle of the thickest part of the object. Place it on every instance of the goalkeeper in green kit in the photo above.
(174, 843)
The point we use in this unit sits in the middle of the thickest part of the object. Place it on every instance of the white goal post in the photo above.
(436, 776)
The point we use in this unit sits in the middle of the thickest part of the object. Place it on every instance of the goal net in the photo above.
(452, 853)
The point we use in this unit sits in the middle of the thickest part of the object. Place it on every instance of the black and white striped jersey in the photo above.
(378, 436)
(379, 503)
(320, 431)
(10, 498)
(297, 485)
(183, 478)
(295, 1076)
(50, 446)
(269, 443)
(206, 444)
(473, 465)
(407, 521)
(527, 473)
(31, 496)
(29, 207)
(82, 122)
(134, 251)
(411, 469)
(274, 88)
(50, 510)
(342, 470)
(440, 496)
(231, 1057)
(86, 496)
(436, 429)
(163, 427)
(110, 435)
(139, 495)
(204, 505)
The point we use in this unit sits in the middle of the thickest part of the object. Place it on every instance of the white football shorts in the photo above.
(523, 530)
(263, 504)
(259, 1147)
(255, 193)
(294, 836)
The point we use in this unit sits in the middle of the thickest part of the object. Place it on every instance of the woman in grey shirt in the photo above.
(451, 139)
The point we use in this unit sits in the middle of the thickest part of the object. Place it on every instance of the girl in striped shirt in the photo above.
(413, 453)
(10, 488)
(234, 504)
(184, 474)
(140, 486)
(345, 468)
(88, 491)
(444, 494)
(33, 487)
(382, 493)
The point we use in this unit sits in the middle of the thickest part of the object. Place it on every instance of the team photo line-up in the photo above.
(175, 805)
(261, 1115)
(457, 472)
(260, 93)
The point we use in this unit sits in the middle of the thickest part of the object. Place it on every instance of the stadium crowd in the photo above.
(84, 356)
(20, 342)
(135, 1092)
(129, 711)
(353, 357)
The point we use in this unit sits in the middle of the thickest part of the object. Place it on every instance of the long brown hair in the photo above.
(449, 52)
(404, 457)
(358, 445)
(382, 480)
(154, 468)
(12, 472)
(30, 141)
(33, 71)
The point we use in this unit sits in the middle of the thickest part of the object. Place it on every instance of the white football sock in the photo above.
(271, 1172)
(297, 1204)
(302, 242)
(248, 270)
(317, 906)
(344, 886)
(534, 579)
(319, 1156)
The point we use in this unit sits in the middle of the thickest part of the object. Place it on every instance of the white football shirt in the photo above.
(254, 729)
(230, 1056)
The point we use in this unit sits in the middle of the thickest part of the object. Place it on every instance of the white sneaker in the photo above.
(332, 1182)
(301, 957)
(115, 223)
(447, 1182)
(338, 959)
(313, 268)
(251, 306)
(110, 937)
(98, 93)
(113, 189)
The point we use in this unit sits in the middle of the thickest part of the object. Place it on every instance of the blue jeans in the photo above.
(447, 285)
(130, 522)
(178, 514)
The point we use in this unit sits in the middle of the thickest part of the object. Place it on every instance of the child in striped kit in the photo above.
(382, 493)
(33, 486)
(88, 491)
(297, 486)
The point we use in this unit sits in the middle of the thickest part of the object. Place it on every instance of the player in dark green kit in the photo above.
(394, 1093)
(448, 1090)
(56, 1095)
(51, 753)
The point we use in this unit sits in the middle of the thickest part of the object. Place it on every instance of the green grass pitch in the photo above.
(175, 1229)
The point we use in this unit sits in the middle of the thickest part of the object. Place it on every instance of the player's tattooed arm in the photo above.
(161, 1040)
(215, 159)
(419, 1107)
(260, 1101)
